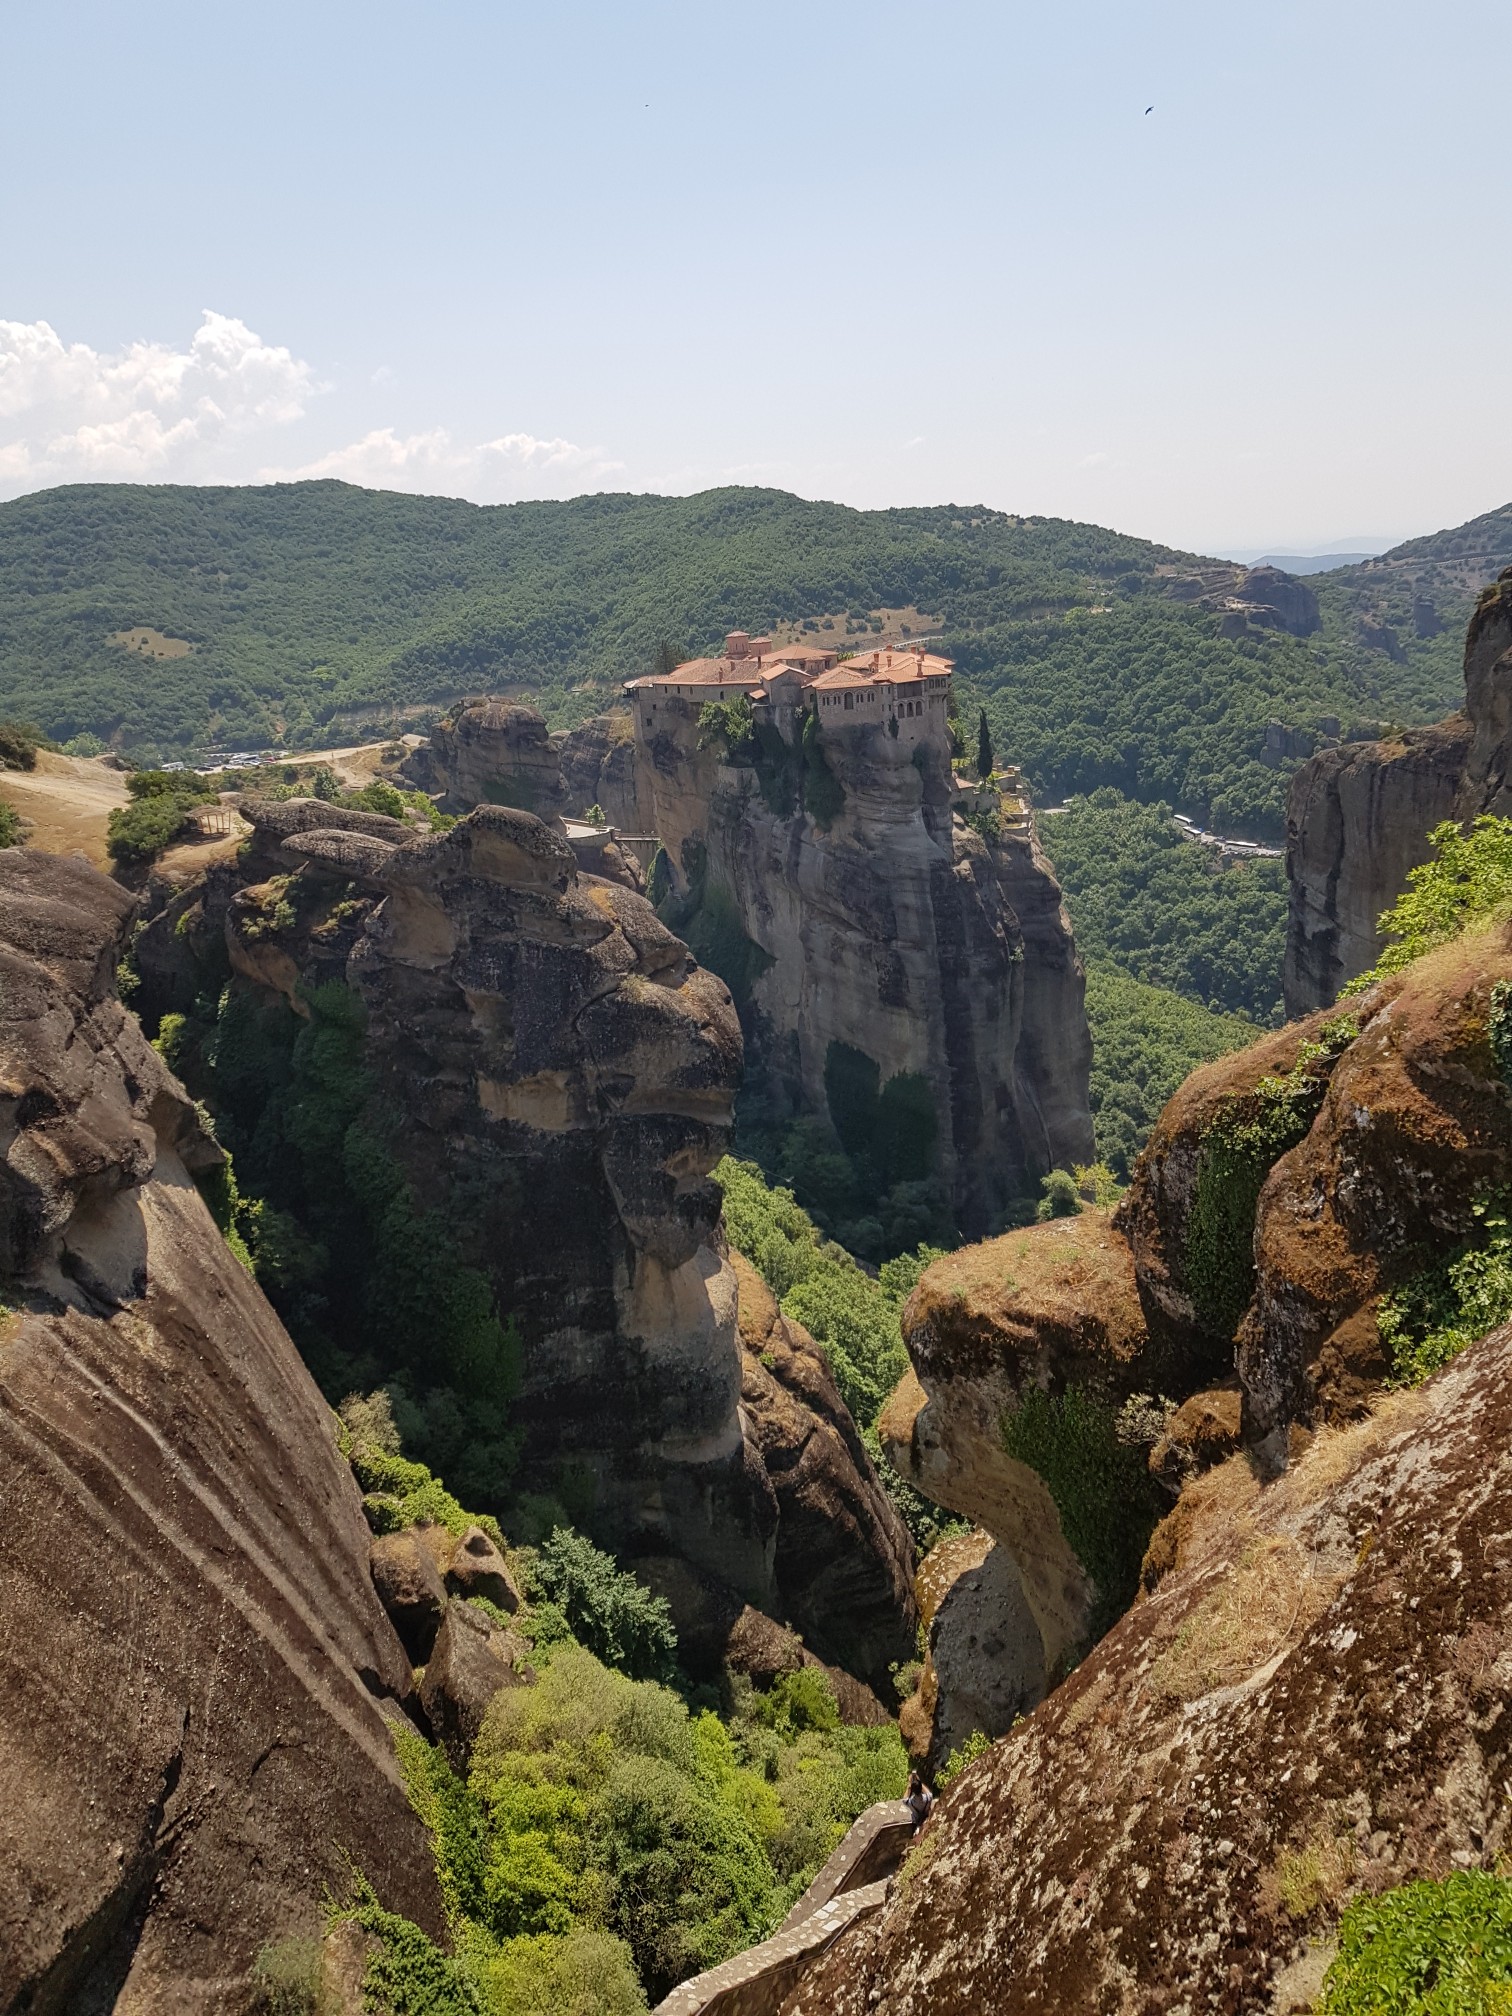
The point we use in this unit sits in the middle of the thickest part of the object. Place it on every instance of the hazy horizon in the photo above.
(876, 255)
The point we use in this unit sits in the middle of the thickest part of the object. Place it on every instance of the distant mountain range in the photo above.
(166, 620)
(1313, 563)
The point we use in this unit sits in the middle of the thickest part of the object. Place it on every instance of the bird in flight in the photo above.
(1148, 110)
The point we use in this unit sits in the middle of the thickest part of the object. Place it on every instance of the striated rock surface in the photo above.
(471, 1660)
(1358, 818)
(598, 768)
(897, 930)
(196, 1667)
(1311, 1707)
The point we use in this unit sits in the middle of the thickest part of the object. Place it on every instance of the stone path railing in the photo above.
(851, 1885)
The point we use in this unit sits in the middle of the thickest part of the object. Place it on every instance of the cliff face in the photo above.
(1358, 817)
(1310, 1708)
(197, 1673)
(1247, 1289)
(491, 752)
(561, 1074)
(896, 931)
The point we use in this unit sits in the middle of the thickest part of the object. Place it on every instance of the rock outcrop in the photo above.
(491, 752)
(546, 1050)
(895, 930)
(197, 1671)
(984, 1666)
(843, 1561)
(1310, 1708)
(598, 768)
(1388, 1129)
(1358, 818)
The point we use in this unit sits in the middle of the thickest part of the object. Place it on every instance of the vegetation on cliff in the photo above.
(367, 1279)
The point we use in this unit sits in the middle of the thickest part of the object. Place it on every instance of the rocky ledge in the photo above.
(1310, 1708)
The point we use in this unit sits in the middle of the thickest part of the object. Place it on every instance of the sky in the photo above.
(887, 254)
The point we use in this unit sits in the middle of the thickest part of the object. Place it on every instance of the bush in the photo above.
(963, 1754)
(11, 834)
(1427, 1949)
(1101, 1485)
(611, 1613)
(19, 743)
(1450, 1304)
(1062, 1198)
(1468, 880)
(581, 1973)
(286, 1977)
(1241, 1147)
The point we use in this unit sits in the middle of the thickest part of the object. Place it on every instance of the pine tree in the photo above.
(986, 762)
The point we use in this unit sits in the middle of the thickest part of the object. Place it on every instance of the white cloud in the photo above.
(69, 413)
(515, 465)
(221, 409)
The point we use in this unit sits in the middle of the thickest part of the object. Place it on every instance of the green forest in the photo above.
(1183, 954)
(315, 611)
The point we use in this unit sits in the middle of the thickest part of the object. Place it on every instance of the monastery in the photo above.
(907, 692)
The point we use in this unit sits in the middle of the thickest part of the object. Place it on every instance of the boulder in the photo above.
(273, 821)
(470, 1661)
(410, 1589)
(345, 857)
(1310, 1709)
(985, 1664)
(492, 752)
(198, 1672)
(475, 1567)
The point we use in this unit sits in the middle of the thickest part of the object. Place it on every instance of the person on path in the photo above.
(920, 1800)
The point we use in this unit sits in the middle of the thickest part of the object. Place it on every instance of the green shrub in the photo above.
(1450, 1304)
(11, 834)
(803, 1699)
(1241, 1147)
(611, 1613)
(728, 727)
(407, 1973)
(579, 1973)
(1427, 1949)
(286, 1978)
(1469, 879)
(19, 743)
(689, 1882)
(139, 832)
(1101, 1485)
(962, 1755)
(1062, 1197)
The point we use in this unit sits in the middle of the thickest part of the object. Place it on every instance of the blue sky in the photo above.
(884, 253)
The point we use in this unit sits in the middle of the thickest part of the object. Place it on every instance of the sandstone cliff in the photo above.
(1310, 1708)
(895, 930)
(555, 1075)
(555, 1058)
(196, 1670)
(1358, 817)
(1284, 1192)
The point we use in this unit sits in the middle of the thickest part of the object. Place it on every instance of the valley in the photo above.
(716, 1257)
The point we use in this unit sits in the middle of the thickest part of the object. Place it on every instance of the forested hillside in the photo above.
(300, 613)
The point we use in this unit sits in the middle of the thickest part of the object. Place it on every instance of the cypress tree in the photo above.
(986, 763)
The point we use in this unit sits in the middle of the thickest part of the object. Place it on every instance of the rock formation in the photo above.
(1310, 1708)
(895, 930)
(491, 752)
(1395, 1127)
(598, 768)
(197, 1672)
(1358, 818)
(558, 1074)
